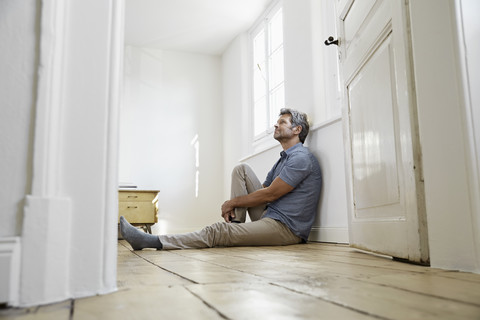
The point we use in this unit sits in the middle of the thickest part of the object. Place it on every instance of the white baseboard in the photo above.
(9, 269)
(328, 234)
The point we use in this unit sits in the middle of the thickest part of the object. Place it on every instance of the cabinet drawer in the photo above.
(136, 196)
(137, 212)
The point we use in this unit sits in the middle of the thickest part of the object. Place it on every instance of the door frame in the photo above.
(49, 248)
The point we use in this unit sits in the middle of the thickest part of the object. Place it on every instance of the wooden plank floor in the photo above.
(310, 281)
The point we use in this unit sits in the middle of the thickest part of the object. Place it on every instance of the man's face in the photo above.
(283, 128)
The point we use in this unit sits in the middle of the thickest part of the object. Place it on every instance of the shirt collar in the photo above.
(291, 149)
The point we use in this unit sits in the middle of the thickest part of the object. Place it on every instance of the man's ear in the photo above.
(297, 129)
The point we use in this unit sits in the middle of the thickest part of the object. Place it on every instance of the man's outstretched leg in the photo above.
(263, 232)
(138, 239)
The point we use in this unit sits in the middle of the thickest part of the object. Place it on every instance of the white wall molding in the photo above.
(111, 166)
(48, 128)
(326, 123)
(9, 269)
(329, 234)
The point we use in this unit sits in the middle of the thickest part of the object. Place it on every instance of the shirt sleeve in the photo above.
(268, 179)
(296, 169)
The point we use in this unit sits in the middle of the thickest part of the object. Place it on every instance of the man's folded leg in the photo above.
(244, 181)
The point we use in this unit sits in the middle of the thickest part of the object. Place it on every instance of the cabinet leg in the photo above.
(149, 230)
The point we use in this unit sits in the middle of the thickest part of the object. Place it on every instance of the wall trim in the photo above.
(9, 269)
(326, 123)
(111, 166)
(329, 234)
(49, 103)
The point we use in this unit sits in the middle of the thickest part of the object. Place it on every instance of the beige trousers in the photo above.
(263, 232)
(259, 232)
(244, 181)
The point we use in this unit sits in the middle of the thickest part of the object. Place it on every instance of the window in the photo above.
(268, 72)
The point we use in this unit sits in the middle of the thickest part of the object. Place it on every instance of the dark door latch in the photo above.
(330, 41)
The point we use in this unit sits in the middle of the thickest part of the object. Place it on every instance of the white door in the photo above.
(383, 167)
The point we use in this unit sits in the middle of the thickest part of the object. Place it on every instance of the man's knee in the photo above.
(240, 169)
(217, 234)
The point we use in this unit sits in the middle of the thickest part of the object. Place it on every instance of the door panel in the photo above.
(384, 184)
(355, 18)
(372, 123)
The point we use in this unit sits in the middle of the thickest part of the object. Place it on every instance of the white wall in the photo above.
(169, 99)
(311, 68)
(236, 131)
(18, 58)
(18, 62)
(468, 28)
(298, 55)
(311, 86)
(331, 224)
(306, 76)
(452, 220)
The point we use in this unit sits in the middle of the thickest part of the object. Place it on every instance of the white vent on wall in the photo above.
(9, 269)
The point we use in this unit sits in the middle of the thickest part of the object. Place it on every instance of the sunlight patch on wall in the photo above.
(196, 145)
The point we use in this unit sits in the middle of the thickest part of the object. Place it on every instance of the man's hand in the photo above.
(277, 189)
(228, 211)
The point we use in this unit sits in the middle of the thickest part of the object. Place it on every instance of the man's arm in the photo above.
(277, 189)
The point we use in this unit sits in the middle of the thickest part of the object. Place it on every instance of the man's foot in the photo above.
(138, 239)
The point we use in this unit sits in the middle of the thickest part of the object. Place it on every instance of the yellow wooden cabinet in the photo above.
(139, 207)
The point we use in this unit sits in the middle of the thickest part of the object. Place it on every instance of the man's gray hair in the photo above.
(298, 118)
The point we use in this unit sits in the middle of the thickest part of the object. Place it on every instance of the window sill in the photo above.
(262, 145)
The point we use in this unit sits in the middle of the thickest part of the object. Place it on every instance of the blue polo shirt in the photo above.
(299, 168)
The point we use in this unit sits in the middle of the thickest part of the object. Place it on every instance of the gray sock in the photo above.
(138, 239)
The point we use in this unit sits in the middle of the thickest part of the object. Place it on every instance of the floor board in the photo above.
(309, 281)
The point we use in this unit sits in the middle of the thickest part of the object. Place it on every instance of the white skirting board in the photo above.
(9, 269)
(329, 234)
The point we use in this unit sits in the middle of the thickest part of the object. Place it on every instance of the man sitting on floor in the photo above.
(282, 210)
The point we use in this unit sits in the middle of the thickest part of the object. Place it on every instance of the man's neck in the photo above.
(288, 144)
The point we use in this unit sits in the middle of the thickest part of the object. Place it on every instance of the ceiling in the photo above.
(199, 26)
